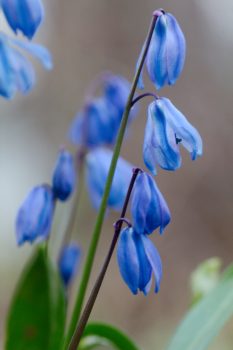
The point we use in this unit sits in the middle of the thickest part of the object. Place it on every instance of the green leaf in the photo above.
(36, 318)
(204, 321)
(99, 334)
(204, 278)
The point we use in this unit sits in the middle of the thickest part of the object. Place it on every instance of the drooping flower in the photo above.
(69, 262)
(149, 209)
(138, 259)
(34, 218)
(23, 15)
(98, 122)
(16, 71)
(98, 164)
(64, 176)
(166, 54)
(166, 129)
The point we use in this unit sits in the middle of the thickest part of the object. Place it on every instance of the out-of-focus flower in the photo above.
(16, 71)
(138, 259)
(34, 218)
(98, 164)
(166, 55)
(69, 262)
(23, 15)
(149, 209)
(166, 129)
(64, 176)
(98, 122)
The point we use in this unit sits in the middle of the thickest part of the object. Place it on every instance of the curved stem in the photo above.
(138, 98)
(95, 291)
(100, 218)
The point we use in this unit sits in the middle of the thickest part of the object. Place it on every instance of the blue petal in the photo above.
(64, 176)
(154, 259)
(38, 51)
(190, 137)
(7, 75)
(160, 146)
(128, 259)
(68, 262)
(145, 270)
(35, 215)
(23, 15)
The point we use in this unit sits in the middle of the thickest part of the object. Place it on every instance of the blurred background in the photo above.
(85, 38)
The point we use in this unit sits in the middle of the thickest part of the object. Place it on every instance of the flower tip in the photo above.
(158, 13)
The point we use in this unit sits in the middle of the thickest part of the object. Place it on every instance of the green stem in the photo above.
(101, 214)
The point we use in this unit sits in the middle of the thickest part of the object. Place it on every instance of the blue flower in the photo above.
(149, 209)
(68, 262)
(166, 55)
(98, 163)
(64, 176)
(16, 71)
(23, 15)
(95, 125)
(98, 122)
(166, 129)
(34, 218)
(138, 259)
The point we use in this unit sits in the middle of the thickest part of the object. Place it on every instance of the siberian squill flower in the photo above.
(97, 167)
(166, 55)
(68, 262)
(34, 218)
(138, 260)
(16, 71)
(166, 129)
(23, 15)
(64, 176)
(98, 121)
(149, 209)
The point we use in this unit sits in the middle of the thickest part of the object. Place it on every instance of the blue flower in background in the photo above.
(97, 167)
(138, 259)
(69, 262)
(149, 209)
(34, 218)
(166, 129)
(98, 122)
(166, 55)
(64, 176)
(23, 15)
(16, 71)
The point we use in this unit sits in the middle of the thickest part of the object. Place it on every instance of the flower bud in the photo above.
(138, 259)
(34, 218)
(64, 176)
(149, 209)
(23, 15)
(69, 262)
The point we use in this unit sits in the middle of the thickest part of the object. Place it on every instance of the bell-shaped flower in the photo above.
(166, 129)
(16, 71)
(23, 15)
(149, 209)
(35, 215)
(64, 176)
(138, 260)
(95, 125)
(97, 167)
(166, 54)
(69, 262)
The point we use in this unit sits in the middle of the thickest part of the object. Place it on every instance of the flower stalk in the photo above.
(90, 303)
(100, 218)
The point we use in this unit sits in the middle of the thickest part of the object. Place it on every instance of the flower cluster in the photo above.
(16, 71)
